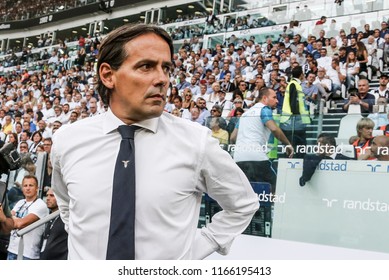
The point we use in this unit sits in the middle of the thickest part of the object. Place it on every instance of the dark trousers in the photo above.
(259, 171)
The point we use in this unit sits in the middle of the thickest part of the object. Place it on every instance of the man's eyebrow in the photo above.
(168, 64)
(154, 62)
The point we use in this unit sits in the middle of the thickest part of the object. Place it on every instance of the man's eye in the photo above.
(146, 66)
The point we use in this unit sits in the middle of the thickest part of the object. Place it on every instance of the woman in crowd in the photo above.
(365, 135)
(362, 58)
(352, 69)
(36, 138)
(188, 102)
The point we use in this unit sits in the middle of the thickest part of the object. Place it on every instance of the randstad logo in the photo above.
(293, 164)
(332, 166)
(373, 167)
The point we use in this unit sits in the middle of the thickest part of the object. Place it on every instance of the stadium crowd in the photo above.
(210, 86)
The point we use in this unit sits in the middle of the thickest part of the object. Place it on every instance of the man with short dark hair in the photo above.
(254, 129)
(24, 213)
(109, 214)
(55, 238)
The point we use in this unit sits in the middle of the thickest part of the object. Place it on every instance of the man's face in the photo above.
(201, 104)
(57, 111)
(242, 86)
(311, 78)
(384, 81)
(93, 108)
(23, 136)
(215, 113)
(23, 148)
(47, 146)
(26, 126)
(378, 146)
(177, 103)
(139, 86)
(73, 117)
(65, 109)
(30, 188)
(271, 99)
(195, 113)
(363, 87)
(51, 201)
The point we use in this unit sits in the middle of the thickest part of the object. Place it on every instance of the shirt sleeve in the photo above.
(266, 115)
(223, 181)
(58, 185)
(39, 209)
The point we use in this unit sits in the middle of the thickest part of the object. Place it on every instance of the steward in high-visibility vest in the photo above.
(294, 115)
(294, 103)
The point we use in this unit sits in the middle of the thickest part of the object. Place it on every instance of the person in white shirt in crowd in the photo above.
(93, 110)
(42, 128)
(26, 212)
(48, 111)
(383, 89)
(284, 61)
(203, 92)
(66, 113)
(59, 116)
(337, 75)
(352, 69)
(324, 60)
(135, 89)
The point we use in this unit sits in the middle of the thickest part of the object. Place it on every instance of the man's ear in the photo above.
(106, 75)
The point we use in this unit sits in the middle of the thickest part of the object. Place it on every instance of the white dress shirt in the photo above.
(176, 161)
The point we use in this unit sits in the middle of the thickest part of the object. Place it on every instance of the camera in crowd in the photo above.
(9, 158)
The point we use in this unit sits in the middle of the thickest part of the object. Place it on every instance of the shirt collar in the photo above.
(111, 123)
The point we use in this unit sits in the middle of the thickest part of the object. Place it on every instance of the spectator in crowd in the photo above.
(379, 148)
(25, 212)
(188, 102)
(55, 238)
(220, 134)
(337, 75)
(363, 98)
(384, 46)
(362, 144)
(382, 90)
(310, 90)
(352, 69)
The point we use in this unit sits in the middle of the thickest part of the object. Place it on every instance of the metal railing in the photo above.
(31, 227)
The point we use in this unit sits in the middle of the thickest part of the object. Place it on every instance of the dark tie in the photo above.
(121, 242)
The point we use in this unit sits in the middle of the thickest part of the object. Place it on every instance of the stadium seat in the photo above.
(347, 127)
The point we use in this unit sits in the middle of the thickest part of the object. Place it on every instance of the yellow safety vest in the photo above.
(287, 111)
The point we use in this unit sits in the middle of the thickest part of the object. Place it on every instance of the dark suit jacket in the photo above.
(57, 241)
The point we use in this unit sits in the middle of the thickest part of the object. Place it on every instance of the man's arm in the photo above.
(277, 132)
(59, 187)
(20, 223)
(6, 222)
(222, 180)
